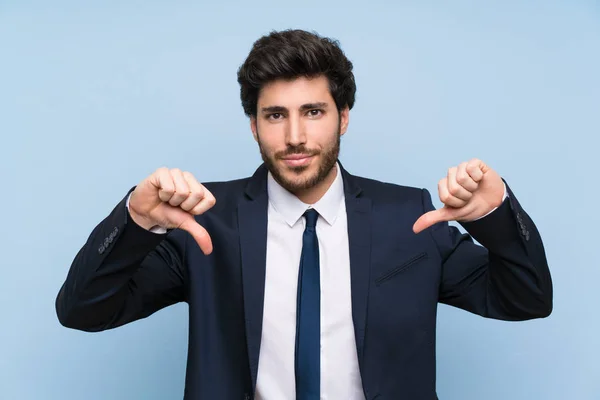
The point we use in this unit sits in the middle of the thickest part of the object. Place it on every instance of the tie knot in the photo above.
(311, 218)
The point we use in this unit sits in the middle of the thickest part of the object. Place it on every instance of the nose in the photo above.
(296, 134)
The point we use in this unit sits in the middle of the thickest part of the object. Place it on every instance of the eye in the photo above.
(315, 113)
(275, 116)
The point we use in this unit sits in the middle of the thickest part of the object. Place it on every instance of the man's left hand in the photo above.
(469, 192)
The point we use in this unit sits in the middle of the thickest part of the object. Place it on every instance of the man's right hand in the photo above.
(170, 198)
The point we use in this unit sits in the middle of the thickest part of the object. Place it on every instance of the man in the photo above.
(304, 281)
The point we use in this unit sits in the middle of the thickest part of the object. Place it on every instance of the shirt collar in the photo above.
(292, 208)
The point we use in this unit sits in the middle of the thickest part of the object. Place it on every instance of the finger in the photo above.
(196, 192)
(431, 218)
(476, 168)
(205, 204)
(464, 179)
(164, 183)
(199, 234)
(182, 190)
(455, 189)
(446, 197)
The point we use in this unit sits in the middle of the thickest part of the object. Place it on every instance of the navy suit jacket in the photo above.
(124, 273)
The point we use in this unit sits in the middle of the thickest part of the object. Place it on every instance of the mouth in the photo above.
(297, 160)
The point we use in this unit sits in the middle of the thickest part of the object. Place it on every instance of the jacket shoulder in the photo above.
(382, 191)
(227, 193)
(233, 186)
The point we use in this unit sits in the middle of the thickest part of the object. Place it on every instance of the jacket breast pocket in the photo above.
(403, 266)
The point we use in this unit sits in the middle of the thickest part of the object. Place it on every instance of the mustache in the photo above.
(296, 150)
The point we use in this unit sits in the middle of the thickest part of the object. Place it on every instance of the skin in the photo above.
(299, 119)
(294, 119)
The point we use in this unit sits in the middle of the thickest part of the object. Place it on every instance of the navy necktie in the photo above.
(308, 318)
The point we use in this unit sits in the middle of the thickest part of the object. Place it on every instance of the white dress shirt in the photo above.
(340, 378)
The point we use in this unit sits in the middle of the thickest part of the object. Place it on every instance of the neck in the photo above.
(315, 193)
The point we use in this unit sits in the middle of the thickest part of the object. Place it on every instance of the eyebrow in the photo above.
(304, 107)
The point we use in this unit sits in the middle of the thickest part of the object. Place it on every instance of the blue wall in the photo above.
(94, 97)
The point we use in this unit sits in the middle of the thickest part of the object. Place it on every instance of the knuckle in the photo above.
(194, 199)
(453, 189)
(183, 189)
(167, 188)
(195, 195)
(211, 201)
(199, 209)
(443, 193)
(473, 164)
(166, 184)
(176, 199)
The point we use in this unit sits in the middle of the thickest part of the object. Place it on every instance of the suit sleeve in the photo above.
(508, 278)
(121, 274)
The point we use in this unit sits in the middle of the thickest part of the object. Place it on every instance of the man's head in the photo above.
(297, 88)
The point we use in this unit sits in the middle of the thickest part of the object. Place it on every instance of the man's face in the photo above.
(298, 130)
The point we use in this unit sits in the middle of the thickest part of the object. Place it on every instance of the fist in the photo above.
(170, 198)
(470, 191)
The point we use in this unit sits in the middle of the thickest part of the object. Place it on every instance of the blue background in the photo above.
(96, 96)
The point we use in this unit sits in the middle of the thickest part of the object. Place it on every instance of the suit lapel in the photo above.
(358, 210)
(252, 220)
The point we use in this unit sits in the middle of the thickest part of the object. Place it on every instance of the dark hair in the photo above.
(290, 54)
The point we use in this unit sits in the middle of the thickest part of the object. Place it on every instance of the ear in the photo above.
(344, 120)
(253, 127)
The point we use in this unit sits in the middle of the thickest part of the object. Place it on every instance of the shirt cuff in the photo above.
(503, 198)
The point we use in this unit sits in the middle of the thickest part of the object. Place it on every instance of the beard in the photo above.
(297, 182)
